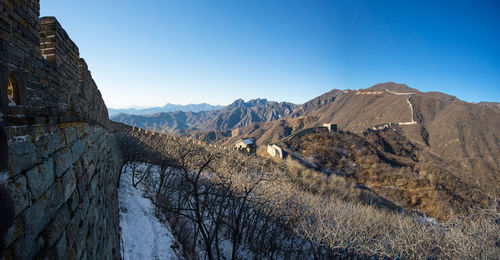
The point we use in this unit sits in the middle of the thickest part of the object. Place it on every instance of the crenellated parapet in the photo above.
(42, 64)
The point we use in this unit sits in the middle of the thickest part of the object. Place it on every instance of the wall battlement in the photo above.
(54, 83)
(63, 159)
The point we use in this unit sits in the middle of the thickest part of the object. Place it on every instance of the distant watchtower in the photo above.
(331, 127)
(246, 144)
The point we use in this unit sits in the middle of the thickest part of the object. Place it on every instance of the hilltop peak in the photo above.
(253, 102)
(392, 86)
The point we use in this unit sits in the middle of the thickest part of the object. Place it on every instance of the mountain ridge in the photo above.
(438, 137)
(237, 114)
(169, 107)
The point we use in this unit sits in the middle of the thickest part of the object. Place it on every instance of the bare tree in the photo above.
(264, 207)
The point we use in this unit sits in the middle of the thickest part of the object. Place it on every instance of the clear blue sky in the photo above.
(148, 53)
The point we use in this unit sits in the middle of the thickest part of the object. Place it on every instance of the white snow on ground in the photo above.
(143, 235)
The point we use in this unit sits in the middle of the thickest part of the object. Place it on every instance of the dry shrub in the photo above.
(292, 212)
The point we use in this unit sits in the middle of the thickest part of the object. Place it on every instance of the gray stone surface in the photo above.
(60, 248)
(20, 194)
(36, 217)
(62, 161)
(64, 207)
(40, 178)
(47, 145)
(59, 140)
(57, 225)
(22, 156)
(26, 247)
(69, 183)
(77, 150)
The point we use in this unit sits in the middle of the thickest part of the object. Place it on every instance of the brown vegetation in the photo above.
(291, 211)
(393, 167)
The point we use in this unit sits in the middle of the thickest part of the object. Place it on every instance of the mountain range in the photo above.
(237, 114)
(428, 150)
(448, 126)
(166, 108)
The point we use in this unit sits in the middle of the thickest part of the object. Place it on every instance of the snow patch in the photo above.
(143, 235)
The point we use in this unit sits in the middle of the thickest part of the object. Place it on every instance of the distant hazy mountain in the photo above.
(237, 114)
(166, 108)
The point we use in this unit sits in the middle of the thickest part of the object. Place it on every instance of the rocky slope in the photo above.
(393, 167)
(317, 102)
(458, 142)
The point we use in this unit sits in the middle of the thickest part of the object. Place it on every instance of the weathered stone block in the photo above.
(46, 145)
(83, 231)
(93, 184)
(26, 247)
(72, 230)
(71, 135)
(78, 168)
(58, 251)
(69, 183)
(62, 138)
(55, 194)
(20, 194)
(77, 149)
(73, 201)
(22, 156)
(57, 226)
(16, 231)
(36, 217)
(40, 178)
(91, 170)
(86, 159)
(62, 161)
(92, 240)
(84, 205)
(84, 255)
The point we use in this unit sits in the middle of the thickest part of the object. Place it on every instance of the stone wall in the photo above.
(275, 151)
(64, 160)
(63, 180)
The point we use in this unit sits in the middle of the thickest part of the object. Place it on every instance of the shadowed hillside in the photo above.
(393, 167)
